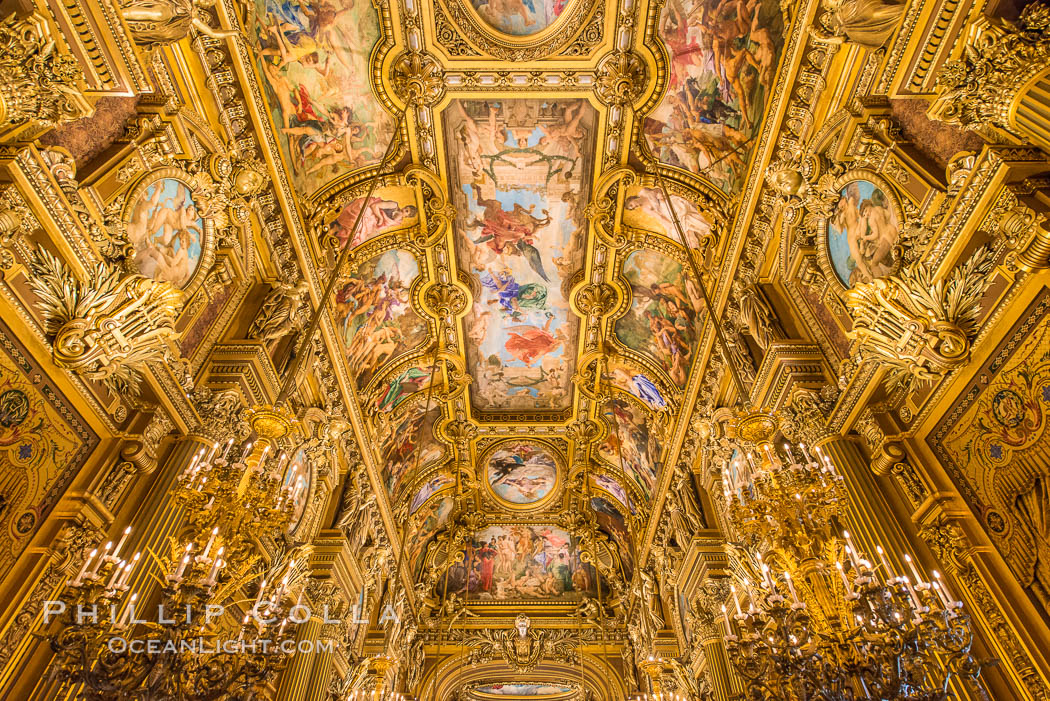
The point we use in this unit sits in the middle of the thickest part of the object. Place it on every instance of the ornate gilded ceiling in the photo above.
(519, 318)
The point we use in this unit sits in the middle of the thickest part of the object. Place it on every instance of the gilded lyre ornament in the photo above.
(918, 327)
(39, 85)
(106, 330)
(1000, 60)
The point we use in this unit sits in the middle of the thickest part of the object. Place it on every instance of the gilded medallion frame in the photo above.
(834, 190)
(551, 495)
(200, 194)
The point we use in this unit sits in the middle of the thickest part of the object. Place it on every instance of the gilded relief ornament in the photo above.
(284, 311)
(39, 85)
(418, 79)
(107, 330)
(162, 22)
(999, 60)
(620, 79)
(522, 647)
(917, 327)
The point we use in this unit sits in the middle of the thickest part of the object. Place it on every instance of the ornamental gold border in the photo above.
(585, 23)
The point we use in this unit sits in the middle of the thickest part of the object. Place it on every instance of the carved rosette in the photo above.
(620, 79)
(445, 301)
(418, 79)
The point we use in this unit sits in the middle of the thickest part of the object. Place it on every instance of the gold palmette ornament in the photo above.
(205, 641)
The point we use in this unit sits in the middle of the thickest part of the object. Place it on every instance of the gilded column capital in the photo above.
(999, 61)
(39, 83)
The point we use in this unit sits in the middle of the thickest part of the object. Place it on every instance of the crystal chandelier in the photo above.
(188, 645)
(187, 651)
(824, 622)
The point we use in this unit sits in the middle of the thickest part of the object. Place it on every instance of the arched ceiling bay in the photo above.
(519, 316)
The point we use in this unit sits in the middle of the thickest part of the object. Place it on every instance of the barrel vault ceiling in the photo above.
(518, 318)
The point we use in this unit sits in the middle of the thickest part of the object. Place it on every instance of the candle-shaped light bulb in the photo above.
(129, 610)
(99, 561)
(914, 570)
(115, 576)
(885, 563)
(211, 541)
(120, 544)
(790, 586)
(127, 571)
(262, 588)
(842, 573)
(83, 570)
(736, 601)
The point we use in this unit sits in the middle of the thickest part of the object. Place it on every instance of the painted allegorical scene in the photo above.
(388, 209)
(432, 486)
(862, 234)
(408, 444)
(402, 384)
(662, 319)
(610, 485)
(611, 520)
(646, 208)
(167, 230)
(521, 472)
(723, 61)
(631, 445)
(314, 60)
(522, 562)
(630, 380)
(424, 524)
(374, 314)
(522, 689)
(520, 173)
(519, 17)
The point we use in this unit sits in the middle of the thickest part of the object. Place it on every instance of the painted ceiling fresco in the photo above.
(662, 320)
(314, 60)
(519, 175)
(496, 201)
(723, 60)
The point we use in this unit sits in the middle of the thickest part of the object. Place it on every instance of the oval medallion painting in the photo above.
(862, 231)
(519, 17)
(521, 472)
(166, 229)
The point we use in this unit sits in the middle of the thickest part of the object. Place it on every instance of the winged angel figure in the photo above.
(108, 329)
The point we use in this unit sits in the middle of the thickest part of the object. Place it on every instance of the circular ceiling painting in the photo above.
(521, 472)
(519, 17)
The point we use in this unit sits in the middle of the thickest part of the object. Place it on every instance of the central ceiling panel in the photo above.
(519, 174)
